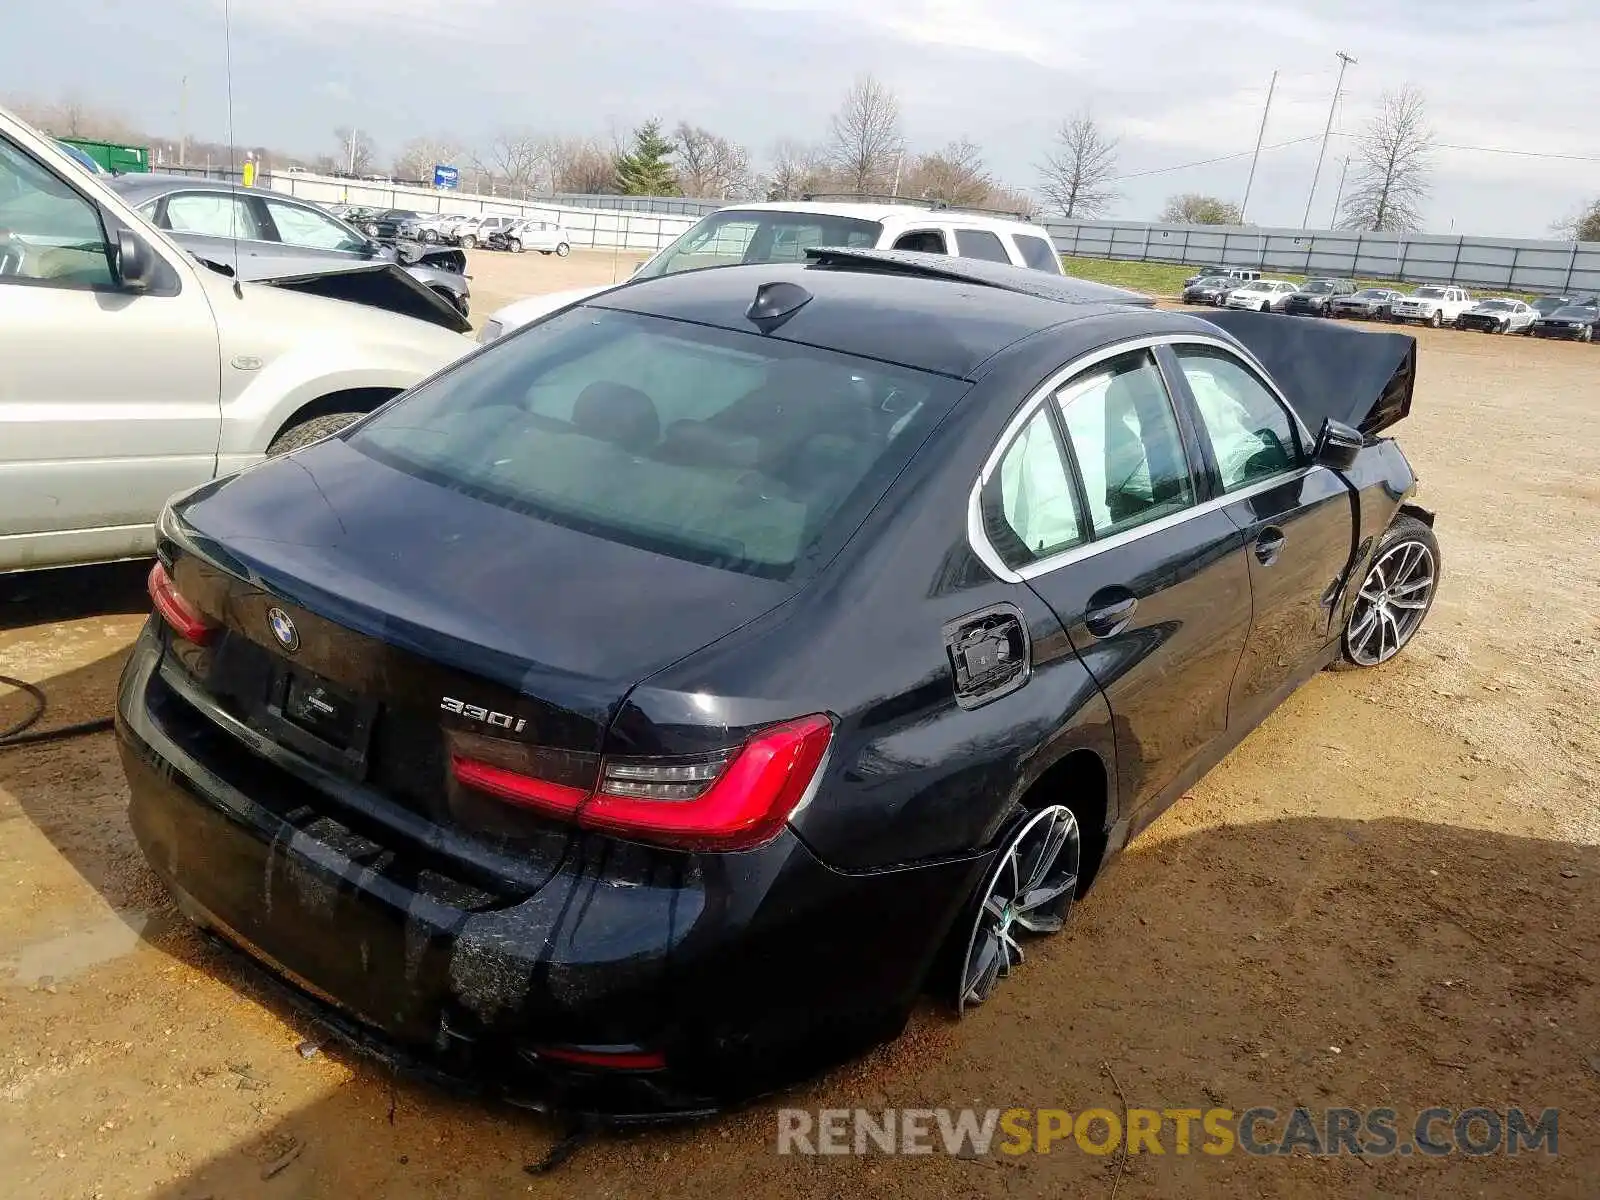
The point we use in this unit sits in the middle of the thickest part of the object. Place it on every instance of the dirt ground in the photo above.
(1389, 895)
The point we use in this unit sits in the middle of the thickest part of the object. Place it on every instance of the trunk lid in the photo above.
(420, 616)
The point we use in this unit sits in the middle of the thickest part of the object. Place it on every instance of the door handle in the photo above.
(1110, 611)
(1269, 545)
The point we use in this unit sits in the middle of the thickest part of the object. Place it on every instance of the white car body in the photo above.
(1267, 295)
(477, 230)
(1503, 314)
(903, 227)
(547, 237)
(113, 398)
(1432, 305)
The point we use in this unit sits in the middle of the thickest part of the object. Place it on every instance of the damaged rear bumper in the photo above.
(712, 979)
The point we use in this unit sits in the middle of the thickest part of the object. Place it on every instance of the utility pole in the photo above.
(1260, 134)
(1333, 220)
(1344, 61)
(353, 132)
(183, 121)
(899, 159)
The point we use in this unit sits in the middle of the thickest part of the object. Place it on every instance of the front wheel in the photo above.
(1395, 596)
(1029, 890)
(429, 236)
(313, 429)
(468, 242)
(563, 250)
(1437, 319)
(1587, 335)
(1266, 306)
(514, 245)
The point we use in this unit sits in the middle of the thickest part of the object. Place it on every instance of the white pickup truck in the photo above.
(1434, 306)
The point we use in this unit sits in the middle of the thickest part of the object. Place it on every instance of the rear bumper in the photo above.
(746, 972)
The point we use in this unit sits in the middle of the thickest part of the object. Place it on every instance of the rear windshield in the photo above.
(1429, 293)
(1585, 312)
(759, 236)
(1496, 306)
(730, 449)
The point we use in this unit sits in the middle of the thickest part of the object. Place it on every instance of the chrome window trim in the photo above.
(978, 540)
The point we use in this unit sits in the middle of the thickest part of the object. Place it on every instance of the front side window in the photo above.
(1251, 434)
(980, 243)
(727, 448)
(303, 227)
(211, 214)
(1125, 438)
(768, 235)
(1029, 509)
(1037, 252)
(48, 232)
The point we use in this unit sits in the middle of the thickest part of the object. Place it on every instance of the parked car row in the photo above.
(492, 231)
(1572, 317)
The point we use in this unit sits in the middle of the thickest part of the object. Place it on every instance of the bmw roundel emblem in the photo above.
(283, 629)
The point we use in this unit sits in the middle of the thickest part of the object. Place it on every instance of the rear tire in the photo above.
(468, 242)
(313, 429)
(563, 250)
(1029, 890)
(429, 236)
(1395, 597)
(514, 245)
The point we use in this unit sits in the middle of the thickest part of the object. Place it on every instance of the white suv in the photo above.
(1434, 306)
(782, 232)
(131, 372)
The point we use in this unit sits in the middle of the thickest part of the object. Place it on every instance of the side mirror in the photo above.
(1337, 445)
(136, 262)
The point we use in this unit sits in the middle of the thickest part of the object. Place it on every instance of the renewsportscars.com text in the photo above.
(1373, 1132)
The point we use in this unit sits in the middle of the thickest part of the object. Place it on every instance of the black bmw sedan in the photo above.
(646, 710)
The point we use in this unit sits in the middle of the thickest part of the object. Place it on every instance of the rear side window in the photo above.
(1251, 433)
(980, 243)
(1029, 508)
(1125, 438)
(726, 448)
(1037, 252)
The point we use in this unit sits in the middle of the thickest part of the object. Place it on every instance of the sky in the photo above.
(1176, 82)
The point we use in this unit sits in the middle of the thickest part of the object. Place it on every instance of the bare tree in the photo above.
(1581, 226)
(710, 166)
(1076, 176)
(581, 166)
(865, 144)
(1396, 159)
(1191, 208)
(514, 160)
(355, 152)
(954, 175)
(420, 155)
(797, 169)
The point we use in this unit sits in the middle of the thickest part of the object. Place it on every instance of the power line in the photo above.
(1206, 162)
(1588, 158)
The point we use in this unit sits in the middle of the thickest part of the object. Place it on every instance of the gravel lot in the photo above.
(1388, 896)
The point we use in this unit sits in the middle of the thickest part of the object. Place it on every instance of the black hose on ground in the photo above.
(19, 733)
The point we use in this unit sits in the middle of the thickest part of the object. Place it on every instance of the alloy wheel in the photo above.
(1391, 604)
(1030, 890)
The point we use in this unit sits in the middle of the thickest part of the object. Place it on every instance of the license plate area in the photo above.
(310, 715)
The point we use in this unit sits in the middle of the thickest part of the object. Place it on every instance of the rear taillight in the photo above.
(734, 800)
(185, 619)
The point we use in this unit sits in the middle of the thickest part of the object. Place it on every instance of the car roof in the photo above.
(153, 183)
(887, 210)
(951, 326)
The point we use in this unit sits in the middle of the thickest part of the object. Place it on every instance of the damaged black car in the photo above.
(647, 710)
